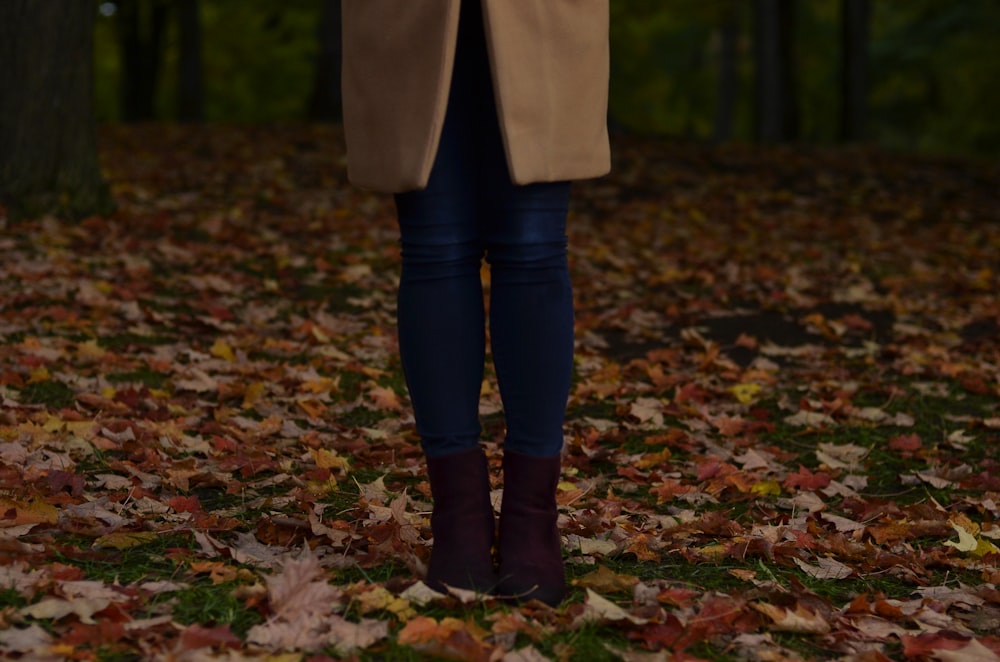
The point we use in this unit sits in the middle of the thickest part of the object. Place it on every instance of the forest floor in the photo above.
(783, 439)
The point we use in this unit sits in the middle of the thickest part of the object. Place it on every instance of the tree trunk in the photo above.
(141, 24)
(854, 69)
(776, 103)
(48, 143)
(729, 81)
(190, 90)
(325, 103)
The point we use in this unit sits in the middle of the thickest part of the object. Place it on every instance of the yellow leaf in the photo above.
(380, 599)
(125, 540)
(53, 423)
(104, 287)
(39, 374)
(605, 580)
(969, 539)
(385, 398)
(327, 459)
(314, 409)
(28, 512)
(252, 394)
(717, 552)
(766, 488)
(90, 350)
(108, 392)
(221, 350)
(745, 393)
(984, 547)
(321, 385)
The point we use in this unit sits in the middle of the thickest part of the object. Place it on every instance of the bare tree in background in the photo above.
(325, 101)
(141, 26)
(190, 86)
(776, 102)
(48, 144)
(855, 16)
(729, 79)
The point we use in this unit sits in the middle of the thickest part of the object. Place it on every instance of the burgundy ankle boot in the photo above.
(531, 565)
(462, 522)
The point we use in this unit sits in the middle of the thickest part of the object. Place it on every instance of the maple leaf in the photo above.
(450, 638)
(301, 588)
(807, 480)
(384, 397)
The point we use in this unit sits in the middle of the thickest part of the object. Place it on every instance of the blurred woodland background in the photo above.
(906, 74)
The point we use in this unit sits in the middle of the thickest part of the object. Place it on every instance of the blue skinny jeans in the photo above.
(471, 210)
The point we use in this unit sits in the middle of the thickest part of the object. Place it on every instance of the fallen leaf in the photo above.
(125, 540)
(800, 619)
(599, 609)
(605, 580)
(57, 608)
(825, 568)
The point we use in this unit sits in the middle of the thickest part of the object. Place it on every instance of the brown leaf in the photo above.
(605, 580)
(451, 638)
(799, 619)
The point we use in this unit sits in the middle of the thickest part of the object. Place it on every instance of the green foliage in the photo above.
(932, 67)
(931, 64)
(258, 62)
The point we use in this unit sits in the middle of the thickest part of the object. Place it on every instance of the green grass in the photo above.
(212, 605)
(127, 566)
(144, 376)
(51, 393)
(126, 341)
(11, 598)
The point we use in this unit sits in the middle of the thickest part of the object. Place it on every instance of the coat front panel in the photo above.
(549, 62)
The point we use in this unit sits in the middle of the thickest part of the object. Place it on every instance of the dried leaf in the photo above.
(125, 539)
(799, 619)
(605, 580)
(825, 568)
(599, 609)
(57, 608)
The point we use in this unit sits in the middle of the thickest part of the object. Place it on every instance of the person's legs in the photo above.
(531, 312)
(440, 315)
(442, 337)
(531, 330)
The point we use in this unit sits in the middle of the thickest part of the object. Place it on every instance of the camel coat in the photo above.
(549, 63)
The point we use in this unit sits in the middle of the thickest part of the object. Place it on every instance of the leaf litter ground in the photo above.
(782, 440)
